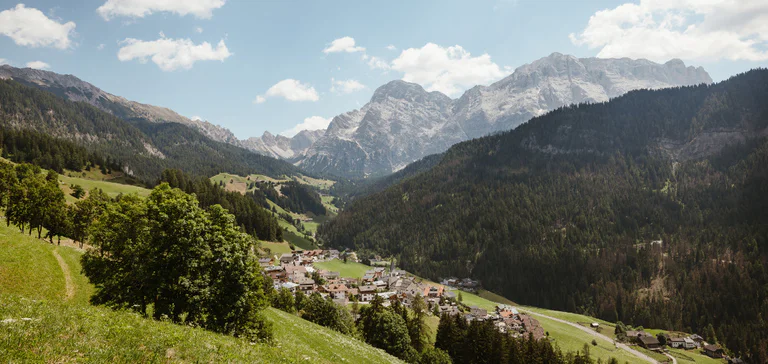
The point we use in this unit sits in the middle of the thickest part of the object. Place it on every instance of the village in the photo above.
(659, 343)
(296, 272)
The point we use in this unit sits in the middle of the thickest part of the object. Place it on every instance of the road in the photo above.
(674, 361)
(602, 337)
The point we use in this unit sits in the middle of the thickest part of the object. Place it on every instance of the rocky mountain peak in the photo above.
(403, 122)
(407, 91)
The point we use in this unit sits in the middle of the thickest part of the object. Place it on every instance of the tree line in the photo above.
(249, 212)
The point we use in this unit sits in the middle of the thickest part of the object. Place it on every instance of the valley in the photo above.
(248, 182)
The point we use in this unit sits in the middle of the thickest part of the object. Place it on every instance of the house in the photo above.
(449, 309)
(689, 343)
(380, 284)
(697, 339)
(286, 259)
(333, 254)
(633, 335)
(295, 270)
(336, 291)
(330, 275)
(478, 312)
(735, 361)
(677, 342)
(290, 286)
(306, 285)
(714, 351)
(265, 262)
(433, 292)
(649, 342)
(368, 277)
(367, 293)
(276, 273)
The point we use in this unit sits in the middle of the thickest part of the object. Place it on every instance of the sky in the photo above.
(284, 66)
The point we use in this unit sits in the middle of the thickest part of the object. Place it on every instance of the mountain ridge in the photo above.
(403, 122)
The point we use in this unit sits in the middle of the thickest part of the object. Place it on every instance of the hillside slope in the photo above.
(606, 208)
(62, 326)
(143, 148)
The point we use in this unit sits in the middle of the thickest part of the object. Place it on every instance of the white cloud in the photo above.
(141, 8)
(196, 118)
(100, 46)
(376, 62)
(30, 27)
(291, 90)
(172, 54)
(310, 123)
(38, 65)
(345, 86)
(448, 70)
(199, 30)
(3, 61)
(391, 47)
(689, 29)
(345, 44)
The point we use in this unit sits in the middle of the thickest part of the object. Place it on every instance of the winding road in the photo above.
(602, 337)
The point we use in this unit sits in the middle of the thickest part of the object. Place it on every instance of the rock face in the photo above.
(403, 122)
(279, 146)
(74, 89)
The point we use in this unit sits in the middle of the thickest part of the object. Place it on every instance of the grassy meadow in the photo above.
(346, 270)
(45, 317)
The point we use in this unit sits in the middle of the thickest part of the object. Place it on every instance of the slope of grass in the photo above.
(276, 248)
(110, 188)
(346, 270)
(33, 287)
(569, 338)
(693, 356)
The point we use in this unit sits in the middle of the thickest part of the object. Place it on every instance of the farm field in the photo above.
(347, 270)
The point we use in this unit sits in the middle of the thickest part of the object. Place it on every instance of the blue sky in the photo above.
(153, 51)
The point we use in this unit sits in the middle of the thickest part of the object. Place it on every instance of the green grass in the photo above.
(298, 241)
(32, 285)
(575, 318)
(471, 299)
(659, 357)
(346, 270)
(569, 338)
(693, 356)
(276, 248)
(110, 188)
(28, 266)
(328, 203)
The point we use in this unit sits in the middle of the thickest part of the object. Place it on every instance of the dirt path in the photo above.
(70, 291)
(674, 361)
(599, 336)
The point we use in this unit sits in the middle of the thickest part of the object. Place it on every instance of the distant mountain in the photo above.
(650, 208)
(143, 148)
(403, 123)
(279, 146)
(72, 88)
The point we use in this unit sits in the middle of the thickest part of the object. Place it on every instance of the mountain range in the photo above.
(403, 122)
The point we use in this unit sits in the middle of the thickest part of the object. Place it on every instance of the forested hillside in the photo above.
(142, 148)
(649, 209)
